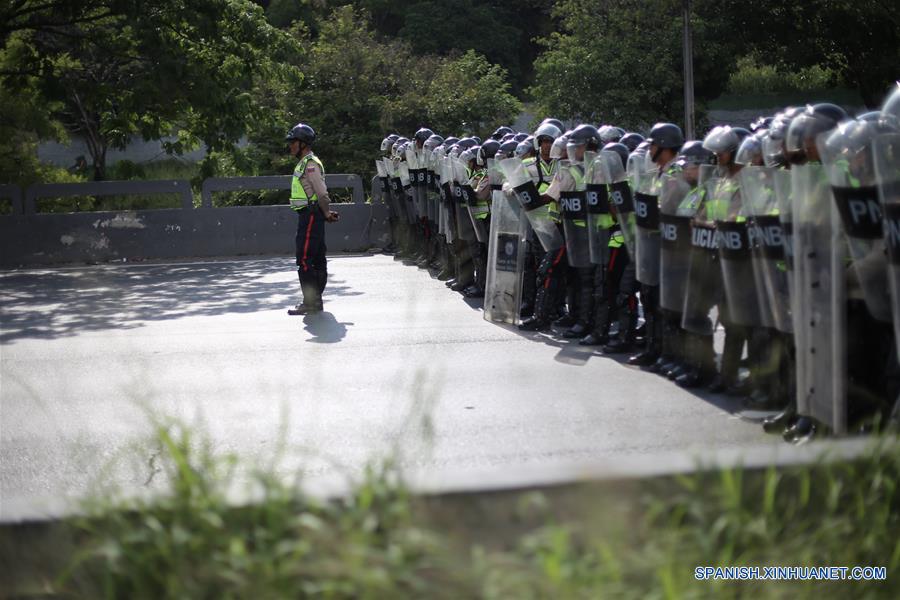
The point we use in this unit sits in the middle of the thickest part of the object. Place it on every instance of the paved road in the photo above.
(396, 361)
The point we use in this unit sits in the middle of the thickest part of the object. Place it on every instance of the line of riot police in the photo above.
(786, 234)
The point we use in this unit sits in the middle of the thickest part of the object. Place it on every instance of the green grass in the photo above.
(604, 540)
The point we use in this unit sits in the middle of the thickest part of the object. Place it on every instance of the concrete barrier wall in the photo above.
(46, 239)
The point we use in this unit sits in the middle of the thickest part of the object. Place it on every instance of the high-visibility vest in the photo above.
(482, 208)
(299, 199)
(717, 206)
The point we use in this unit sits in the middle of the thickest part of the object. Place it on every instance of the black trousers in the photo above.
(312, 269)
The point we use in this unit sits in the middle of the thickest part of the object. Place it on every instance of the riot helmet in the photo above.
(750, 152)
(610, 133)
(890, 110)
(631, 140)
(433, 142)
(523, 149)
(545, 131)
(387, 142)
(485, 151)
(583, 138)
(666, 135)
(805, 129)
(521, 136)
(618, 148)
(467, 142)
(693, 153)
(422, 134)
(508, 148)
(500, 132)
(450, 141)
(469, 155)
(302, 133)
(555, 122)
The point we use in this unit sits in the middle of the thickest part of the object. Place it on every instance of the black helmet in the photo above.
(666, 135)
(507, 137)
(476, 138)
(508, 148)
(423, 134)
(557, 122)
(466, 143)
(500, 132)
(585, 135)
(303, 133)
(520, 137)
(693, 153)
(487, 150)
(620, 149)
(742, 132)
(631, 140)
(450, 141)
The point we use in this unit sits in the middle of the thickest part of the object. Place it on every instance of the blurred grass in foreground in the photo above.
(634, 539)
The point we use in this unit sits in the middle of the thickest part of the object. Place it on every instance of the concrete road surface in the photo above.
(396, 364)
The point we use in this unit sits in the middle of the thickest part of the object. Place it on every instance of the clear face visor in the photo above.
(773, 150)
(558, 150)
(750, 152)
(386, 144)
(575, 152)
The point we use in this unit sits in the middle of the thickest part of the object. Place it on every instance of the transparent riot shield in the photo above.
(847, 156)
(417, 179)
(819, 254)
(407, 193)
(464, 226)
(599, 218)
(446, 198)
(704, 281)
(474, 207)
(536, 212)
(646, 216)
(621, 199)
(392, 168)
(675, 241)
(886, 151)
(506, 253)
(781, 179)
(386, 196)
(766, 236)
(573, 210)
(734, 253)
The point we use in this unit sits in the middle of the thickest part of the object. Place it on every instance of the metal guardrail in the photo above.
(181, 187)
(14, 193)
(28, 204)
(275, 182)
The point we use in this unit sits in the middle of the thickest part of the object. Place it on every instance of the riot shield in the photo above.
(886, 152)
(621, 200)
(599, 218)
(704, 279)
(734, 253)
(646, 216)
(387, 197)
(473, 208)
(847, 157)
(506, 253)
(573, 210)
(781, 179)
(407, 194)
(448, 212)
(417, 179)
(464, 227)
(675, 242)
(765, 234)
(526, 192)
(819, 253)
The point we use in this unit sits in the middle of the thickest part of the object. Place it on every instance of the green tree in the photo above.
(471, 95)
(167, 66)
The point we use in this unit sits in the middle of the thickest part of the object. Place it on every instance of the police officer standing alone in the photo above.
(309, 199)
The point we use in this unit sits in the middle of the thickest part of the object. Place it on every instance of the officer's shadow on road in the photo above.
(325, 328)
(570, 353)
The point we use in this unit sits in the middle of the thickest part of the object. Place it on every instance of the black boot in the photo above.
(540, 321)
